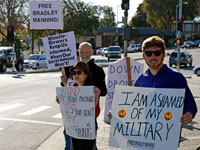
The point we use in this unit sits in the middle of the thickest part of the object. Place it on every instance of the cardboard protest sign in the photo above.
(77, 105)
(60, 50)
(117, 75)
(46, 15)
(146, 118)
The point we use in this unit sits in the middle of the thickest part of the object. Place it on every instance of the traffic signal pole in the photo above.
(125, 24)
(179, 37)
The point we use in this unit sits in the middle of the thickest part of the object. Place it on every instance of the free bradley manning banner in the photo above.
(46, 15)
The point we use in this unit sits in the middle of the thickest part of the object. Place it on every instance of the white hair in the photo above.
(85, 44)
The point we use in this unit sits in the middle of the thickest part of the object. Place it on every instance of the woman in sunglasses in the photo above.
(82, 77)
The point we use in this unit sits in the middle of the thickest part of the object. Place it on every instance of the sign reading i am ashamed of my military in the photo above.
(146, 118)
(46, 15)
(77, 105)
(60, 50)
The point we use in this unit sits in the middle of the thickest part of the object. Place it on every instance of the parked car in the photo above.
(134, 48)
(35, 61)
(188, 44)
(185, 58)
(197, 43)
(112, 52)
(196, 70)
(99, 51)
(6, 59)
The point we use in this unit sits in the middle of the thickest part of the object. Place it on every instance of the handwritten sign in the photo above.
(60, 50)
(46, 15)
(146, 118)
(77, 105)
(117, 75)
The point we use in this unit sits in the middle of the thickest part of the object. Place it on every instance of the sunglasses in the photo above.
(156, 53)
(78, 72)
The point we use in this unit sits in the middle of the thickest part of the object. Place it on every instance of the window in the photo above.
(188, 27)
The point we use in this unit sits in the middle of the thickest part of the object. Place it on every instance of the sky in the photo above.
(116, 5)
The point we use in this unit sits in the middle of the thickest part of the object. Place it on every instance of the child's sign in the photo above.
(77, 105)
(146, 118)
(60, 50)
(117, 75)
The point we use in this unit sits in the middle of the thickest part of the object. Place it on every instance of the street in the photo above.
(29, 114)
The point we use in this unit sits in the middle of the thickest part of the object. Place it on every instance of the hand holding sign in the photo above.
(146, 118)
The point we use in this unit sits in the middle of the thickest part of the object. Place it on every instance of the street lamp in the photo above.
(117, 31)
(177, 15)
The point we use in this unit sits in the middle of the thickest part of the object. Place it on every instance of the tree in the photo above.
(85, 18)
(108, 19)
(136, 20)
(13, 13)
(198, 7)
(161, 13)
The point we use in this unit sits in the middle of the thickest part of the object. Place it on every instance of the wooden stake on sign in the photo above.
(128, 64)
(62, 68)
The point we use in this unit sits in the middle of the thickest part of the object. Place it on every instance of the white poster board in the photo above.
(146, 118)
(77, 105)
(46, 15)
(117, 75)
(60, 50)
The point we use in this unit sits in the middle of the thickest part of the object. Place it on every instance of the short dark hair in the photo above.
(154, 41)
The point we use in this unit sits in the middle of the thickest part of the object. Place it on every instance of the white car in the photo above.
(196, 70)
(99, 51)
(35, 61)
(134, 48)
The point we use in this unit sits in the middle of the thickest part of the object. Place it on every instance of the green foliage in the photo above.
(85, 18)
(136, 21)
(109, 17)
(161, 13)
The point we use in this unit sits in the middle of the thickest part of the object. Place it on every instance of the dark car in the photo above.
(6, 56)
(185, 58)
(188, 44)
(197, 43)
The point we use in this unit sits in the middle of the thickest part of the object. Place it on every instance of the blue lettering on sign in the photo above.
(122, 69)
(112, 84)
(110, 95)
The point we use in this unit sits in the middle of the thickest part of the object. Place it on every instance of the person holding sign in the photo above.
(159, 75)
(82, 77)
(97, 72)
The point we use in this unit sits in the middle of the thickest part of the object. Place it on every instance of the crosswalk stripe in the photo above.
(56, 75)
(57, 116)
(35, 110)
(43, 75)
(30, 121)
(5, 108)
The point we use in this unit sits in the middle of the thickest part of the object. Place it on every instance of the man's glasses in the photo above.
(78, 72)
(156, 53)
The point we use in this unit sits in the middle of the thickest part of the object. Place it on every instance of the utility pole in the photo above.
(179, 37)
(125, 7)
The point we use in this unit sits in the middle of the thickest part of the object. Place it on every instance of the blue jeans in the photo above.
(67, 141)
